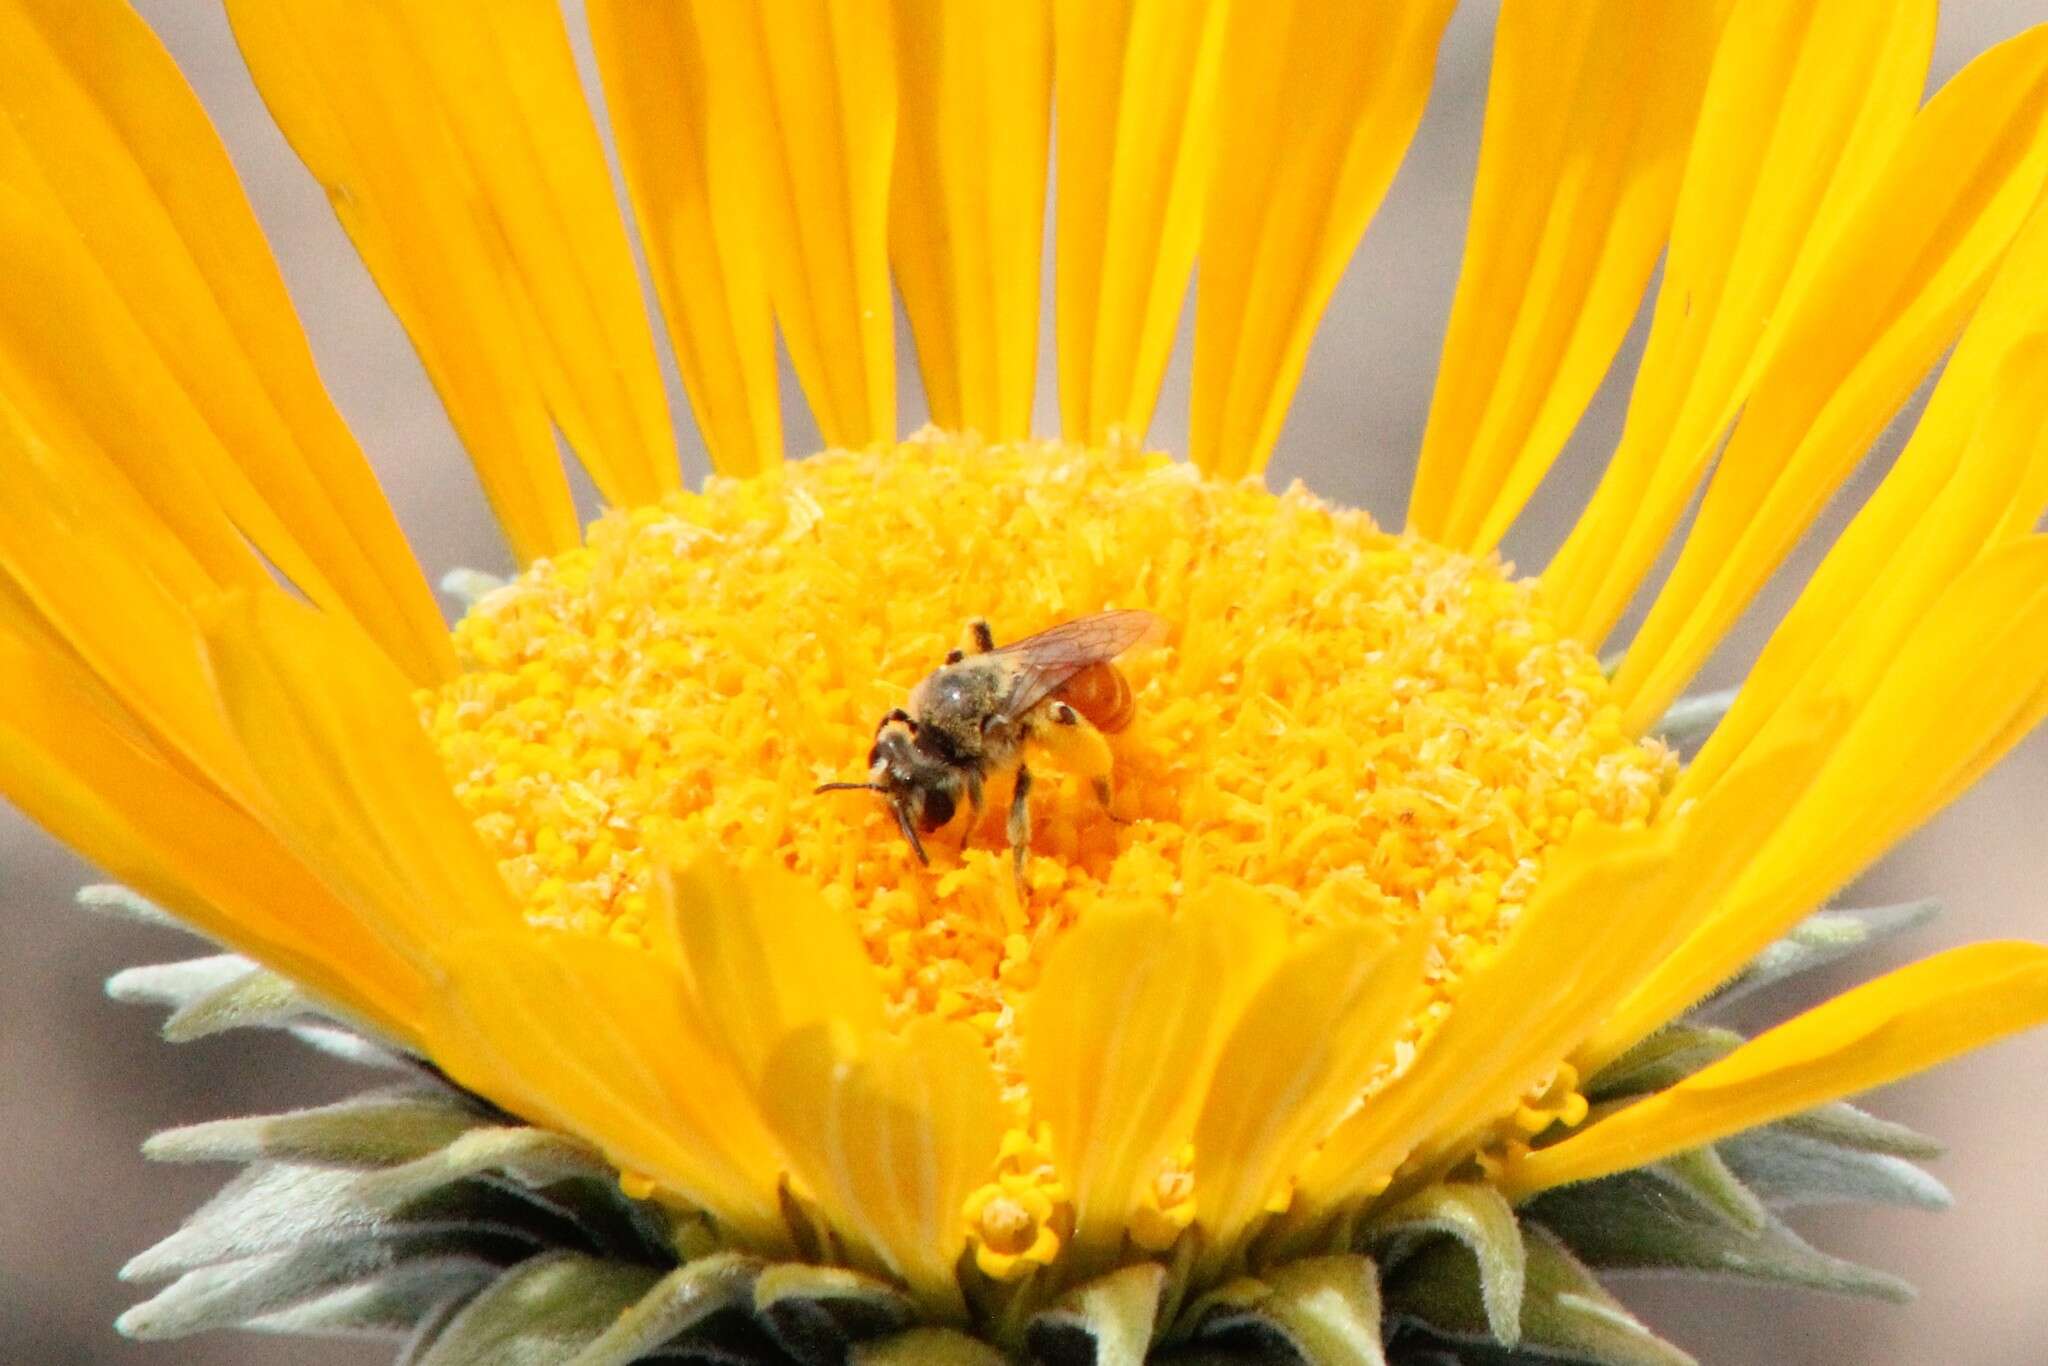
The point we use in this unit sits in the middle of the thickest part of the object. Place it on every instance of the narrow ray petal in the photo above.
(705, 261)
(78, 767)
(1899, 1024)
(1805, 104)
(1118, 1050)
(507, 83)
(890, 1134)
(967, 222)
(599, 1038)
(803, 104)
(1302, 1052)
(350, 90)
(1135, 88)
(766, 957)
(1322, 100)
(1542, 994)
(1690, 866)
(87, 562)
(1965, 481)
(353, 787)
(1966, 685)
(1918, 252)
(148, 249)
(1587, 120)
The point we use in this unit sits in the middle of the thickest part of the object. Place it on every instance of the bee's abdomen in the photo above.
(1101, 693)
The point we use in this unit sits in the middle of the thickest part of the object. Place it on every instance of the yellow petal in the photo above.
(1899, 1024)
(507, 83)
(345, 83)
(1805, 103)
(352, 785)
(1520, 1015)
(155, 316)
(1964, 478)
(595, 1038)
(1918, 252)
(1135, 90)
(76, 765)
(765, 956)
(88, 562)
(1322, 102)
(1532, 974)
(1118, 1050)
(1965, 685)
(1587, 120)
(1635, 894)
(967, 222)
(1300, 1055)
(705, 261)
(890, 1135)
(803, 120)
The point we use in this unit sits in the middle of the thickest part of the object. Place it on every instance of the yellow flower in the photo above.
(1388, 870)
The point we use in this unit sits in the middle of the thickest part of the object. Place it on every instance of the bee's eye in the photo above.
(938, 808)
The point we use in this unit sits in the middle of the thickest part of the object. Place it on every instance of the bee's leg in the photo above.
(903, 823)
(980, 640)
(1020, 826)
(973, 806)
(895, 714)
(1078, 748)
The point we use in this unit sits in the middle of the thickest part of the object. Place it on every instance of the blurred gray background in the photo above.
(82, 1080)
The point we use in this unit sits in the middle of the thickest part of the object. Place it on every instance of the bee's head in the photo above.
(922, 789)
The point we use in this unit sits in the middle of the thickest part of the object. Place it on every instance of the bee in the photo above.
(974, 716)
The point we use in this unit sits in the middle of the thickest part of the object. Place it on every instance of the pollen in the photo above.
(1357, 724)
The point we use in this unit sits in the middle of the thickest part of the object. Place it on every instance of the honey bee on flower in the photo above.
(1344, 990)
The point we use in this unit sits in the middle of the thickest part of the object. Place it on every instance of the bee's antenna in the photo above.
(848, 787)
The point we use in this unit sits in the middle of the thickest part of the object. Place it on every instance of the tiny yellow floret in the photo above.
(1354, 723)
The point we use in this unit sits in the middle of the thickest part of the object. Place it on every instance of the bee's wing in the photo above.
(1040, 664)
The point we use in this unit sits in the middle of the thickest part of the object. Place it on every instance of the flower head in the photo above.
(1370, 921)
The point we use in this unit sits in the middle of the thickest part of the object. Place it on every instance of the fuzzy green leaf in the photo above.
(340, 1041)
(817, 1313)
(677, 1303)
(1329, 1308)
(532, 1157)
(112, 899)
(1481, 1222)
(376, 1129)
(176, 985)
(1108, 1321)
(1822, 938)
(1668, 1056)
(539, 1313)
(392, 1303)
(1704, 1178)
(226, 991)
(258, 999)
(1567, 1318)
(238, 1292)
(1688, 722)
(926, 1347)
(470, 586)
(1633, 1222)
(1788, 1169)
(1845, 1126)
(277, 1208)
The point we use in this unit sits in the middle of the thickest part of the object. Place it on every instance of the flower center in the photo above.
(1354, 723)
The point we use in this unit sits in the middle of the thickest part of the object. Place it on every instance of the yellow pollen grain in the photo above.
(1361, 724)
